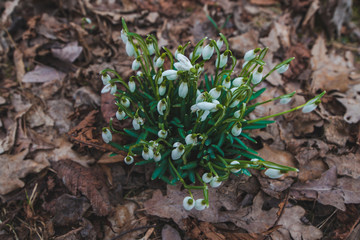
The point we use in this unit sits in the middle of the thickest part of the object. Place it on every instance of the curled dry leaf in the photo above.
(69, 53)
(43, 74)
(351, 101)
(348, 165)
(169, 233)
(7, 142)
(88, 181)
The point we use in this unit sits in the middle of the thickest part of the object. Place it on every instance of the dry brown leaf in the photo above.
(86, 96)
(59, 110)
(348, 165)
(9, 8)
(43, 74)
(202, 230)
(264, 2)
(311, 170)
(244, 42)
(19, 65)
(69, 53)
(88, 181)
(337, 131)
(169, 233)
(351, 101)
(7, 142)
(14, 167)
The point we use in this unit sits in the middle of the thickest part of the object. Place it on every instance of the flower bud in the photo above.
(227, 83)
(191, 139)
(135, 65)
(236, 129)
(249, 55)
(162, 89)
(120, 115)
(170, 74)
(106, 135)
(283, 68)
(160, 61)
(124, 37)
(157, 156)
(207, 52)
(285, 100)
(151, 49)
(183, 89)
(257, 76)
(132, 85)
(237, 82)
(178, 151)
(273, 173)
(129, 49)
(161, 106)
(223, 60)
(219, 43)
(215, 93)
(105, 78)
(309, 106)
(125, 102)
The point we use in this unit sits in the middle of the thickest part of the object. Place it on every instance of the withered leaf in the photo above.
(87, 181)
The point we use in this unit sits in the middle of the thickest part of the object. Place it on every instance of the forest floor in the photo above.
(57, 180)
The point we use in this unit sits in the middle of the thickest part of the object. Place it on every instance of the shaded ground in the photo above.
(57, 180)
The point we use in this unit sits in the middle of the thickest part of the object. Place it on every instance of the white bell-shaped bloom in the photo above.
(227, 83)
(197, 52)
(124, 37)
(235, 170)
(120, 115)
(157, 156)
(200, 204)
(132, 85)
(162, 90)
(188, 203)
(257, 77)
(237, 114)
(128, 160)
(283, 68)
(207, 52)
(170, 74)
(237, 82)
(162, 133)
(178, 151)
(139, 73)
(129, 49)
(219, 43)
(206, 106)
(137, 122)
(191, 139)
(160, 79)
(249, 55)
(236, 129)
(184, 63)
(215, 182)
(135, 65)
(273, 173)
(285, 100)
(106, 135)
(183, 89)
(151, 49)
(223, 60)
(215, 93)
(125, 102)
(105, 79)
(161, 106)
(207, 177)
(159, 62)
(109, 87)
(147, 153)
(310, 106)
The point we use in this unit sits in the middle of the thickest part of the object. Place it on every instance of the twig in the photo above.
(352, 227)
(132, 230)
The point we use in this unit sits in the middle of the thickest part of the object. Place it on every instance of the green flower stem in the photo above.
(270, 100)
(278, 66)
(212, 170)
(181, 179)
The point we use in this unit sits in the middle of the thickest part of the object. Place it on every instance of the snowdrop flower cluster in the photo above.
(193, 127)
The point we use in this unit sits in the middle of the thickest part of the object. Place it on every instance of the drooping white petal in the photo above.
(135, 65)
(200, 98)
(215, 182)
(207, 177)
(128, 160)
(283, 68)
(237, 114)
(238, 81)
(151, 48)
(162, 134)
(200, 204)
(135, 124)
(234, 103)
(161, 107)
(160, 79)
(105, 79)
(223, 60)
(113, 89)
(159, 62)
(177, 152)
(106, 135)
(162, 90)
(188, 203)
(257, 77)
(184, 63)
(147, 154)
(120, 115)
(227, 83)
(285, 100)
(203, 106)
(235, 170)
(170, 74)
(214, 93)
(190, 139)
(249, 55)
(244, 64)
(106, 89)
(207, 52)
(183, 89)
(204, 115)
(273, 173)
(125, 102)
(157, 157)
(219, 43)
(176, 144)
(129, 49)
(124, 37)
(236, 130)
(132, 86)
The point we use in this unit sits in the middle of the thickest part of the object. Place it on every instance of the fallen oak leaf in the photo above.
(88, 181)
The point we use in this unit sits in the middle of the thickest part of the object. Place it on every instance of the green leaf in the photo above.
(113, 154)
(207, 84)
(191, 176)
(218, 149)
(248, 137)
(257, 94)
(246, 172)
(144, 162)
(253, 126)
(230, 138)
(160, 169)
(190, 165)
(131, 133)
(181, 132)
(117, 146)
(142, 136)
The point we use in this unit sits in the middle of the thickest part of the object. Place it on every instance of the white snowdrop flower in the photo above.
(200, 70)
(161, 106)
(237, 114)
(215, 182)
(105, 78)
(249, 55)
(200, 98)
(236, 129)
(151, 49)
(160, 79)
(176, 54)
(235, 170)
(207, 177)
(219, 43)
(200, 204)
(310, 106)
(223, 60)
(124, 37)
(188, 203)
(204, 115)
(285, 100)
(206, 106)
(238, 81)
(183, 89)
(120, 115)
(197, 52)
(159, 62)
(178, 151)
(153, 144)
(215, 93)
(191, 55)
(135, 65)
(283, 68)
(129, 49)
(234, 103)
(109, 87)
(207, 52)
(128, 160)
(170, 74)
(106, 135)
(137, 122)
(227, 83)
(257, 77)
(162, 90)
(132, 85)
(162, 134)
(125, 102)
(87, 20)
(139, 73)
(184, 63)
(191, 139)
(147, 153)
(157, 156)
(273, 173)
(244, 64)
